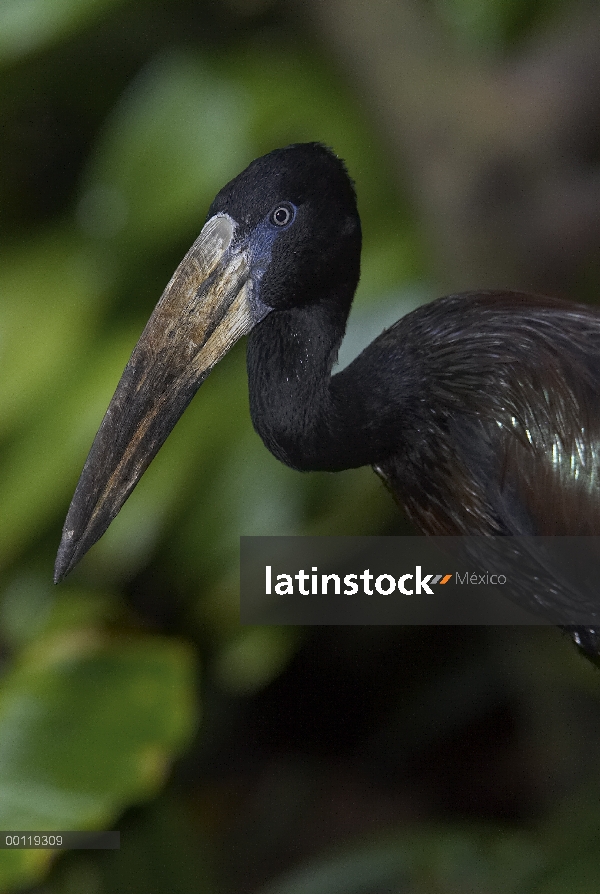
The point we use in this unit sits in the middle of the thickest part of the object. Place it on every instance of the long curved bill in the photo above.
(207, 306)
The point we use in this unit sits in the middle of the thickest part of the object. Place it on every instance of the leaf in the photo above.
(253, 658)
(88, 724)
(51, 292)
(39, 469)
(444, 861)
(27, 25)
(177, 135)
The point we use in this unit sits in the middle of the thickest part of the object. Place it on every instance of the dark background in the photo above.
(358, 759)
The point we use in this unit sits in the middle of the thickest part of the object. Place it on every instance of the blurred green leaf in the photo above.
(579, 874)
(26, 25)
(485, 25)
(176, 136)
(159, 852)
(39, 468)
(162, 854)
(442, 861)
(88, 724)
(253, 658)
(30, 606)
(51, 294)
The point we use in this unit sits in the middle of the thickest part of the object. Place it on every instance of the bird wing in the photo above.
(547, 454)
(511, 442)
(505, 437)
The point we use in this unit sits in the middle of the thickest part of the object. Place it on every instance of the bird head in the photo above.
(283, 233)
(295, 219)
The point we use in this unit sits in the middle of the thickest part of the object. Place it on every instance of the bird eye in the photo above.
(282, 215)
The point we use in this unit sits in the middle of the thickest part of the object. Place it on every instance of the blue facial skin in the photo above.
(259, 245)
(263, 238)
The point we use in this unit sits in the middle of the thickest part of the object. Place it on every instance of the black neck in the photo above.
(308, 418)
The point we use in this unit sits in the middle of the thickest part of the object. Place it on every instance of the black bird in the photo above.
(480, 411)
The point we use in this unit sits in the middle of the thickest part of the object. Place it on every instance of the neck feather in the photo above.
(307, 418)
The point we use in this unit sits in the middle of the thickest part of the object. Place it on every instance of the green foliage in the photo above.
(88, 721)
(26, 25)
(440, 861)
(484, 25)
(154, 170)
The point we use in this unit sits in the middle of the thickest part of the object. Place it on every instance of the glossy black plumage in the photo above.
(505, 435)
(480, 411)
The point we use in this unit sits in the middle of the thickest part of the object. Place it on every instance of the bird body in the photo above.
(505, 429)
(480, 411)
